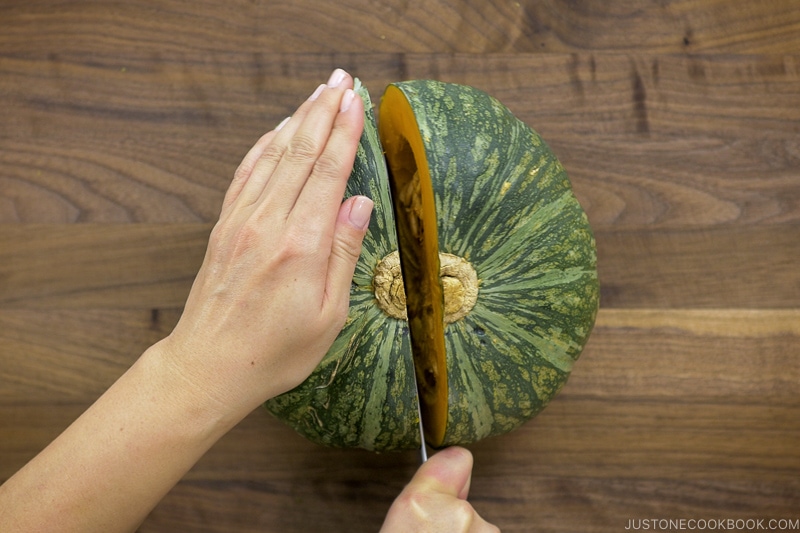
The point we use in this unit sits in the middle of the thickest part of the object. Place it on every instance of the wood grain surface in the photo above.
(678, 121)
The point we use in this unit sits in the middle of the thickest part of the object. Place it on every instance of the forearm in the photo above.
(113, 464)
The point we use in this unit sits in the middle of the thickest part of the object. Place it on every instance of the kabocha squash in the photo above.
(485, 260)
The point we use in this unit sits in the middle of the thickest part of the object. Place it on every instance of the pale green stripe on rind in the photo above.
(468, 399)
(542, 345)
(375, 422)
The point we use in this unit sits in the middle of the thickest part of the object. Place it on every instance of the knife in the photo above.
(423, 451)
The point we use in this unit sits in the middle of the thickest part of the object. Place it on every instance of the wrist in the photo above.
(186, 399)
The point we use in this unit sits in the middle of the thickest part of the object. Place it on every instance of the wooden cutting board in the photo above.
(679, 123)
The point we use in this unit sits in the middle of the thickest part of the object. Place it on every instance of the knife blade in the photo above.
(423, 451)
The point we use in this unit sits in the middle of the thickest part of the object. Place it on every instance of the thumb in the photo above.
(435, 499)
(351, 226)
(448, 472)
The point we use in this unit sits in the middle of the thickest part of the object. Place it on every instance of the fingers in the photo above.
(246, 167)
(448, 472)
(351, 226)
(311, 146)
(435, 499)
(323, 192)
(263, 160)
(286, 163)
(293, 181)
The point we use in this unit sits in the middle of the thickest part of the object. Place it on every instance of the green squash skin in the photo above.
(505, 204)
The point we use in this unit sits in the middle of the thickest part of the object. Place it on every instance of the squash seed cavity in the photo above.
(459, 282)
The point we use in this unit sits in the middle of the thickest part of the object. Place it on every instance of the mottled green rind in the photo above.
(362, 394)
(504, 202)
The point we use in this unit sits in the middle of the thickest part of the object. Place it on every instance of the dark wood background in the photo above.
(121, 124)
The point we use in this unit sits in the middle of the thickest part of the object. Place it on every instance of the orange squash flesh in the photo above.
(415, 214)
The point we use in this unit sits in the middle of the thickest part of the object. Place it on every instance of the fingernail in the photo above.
(347, 99)
(360, 212)
(317, 92)
(282, 124)
(336, 78)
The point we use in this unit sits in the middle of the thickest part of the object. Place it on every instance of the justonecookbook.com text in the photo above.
(713, 524)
